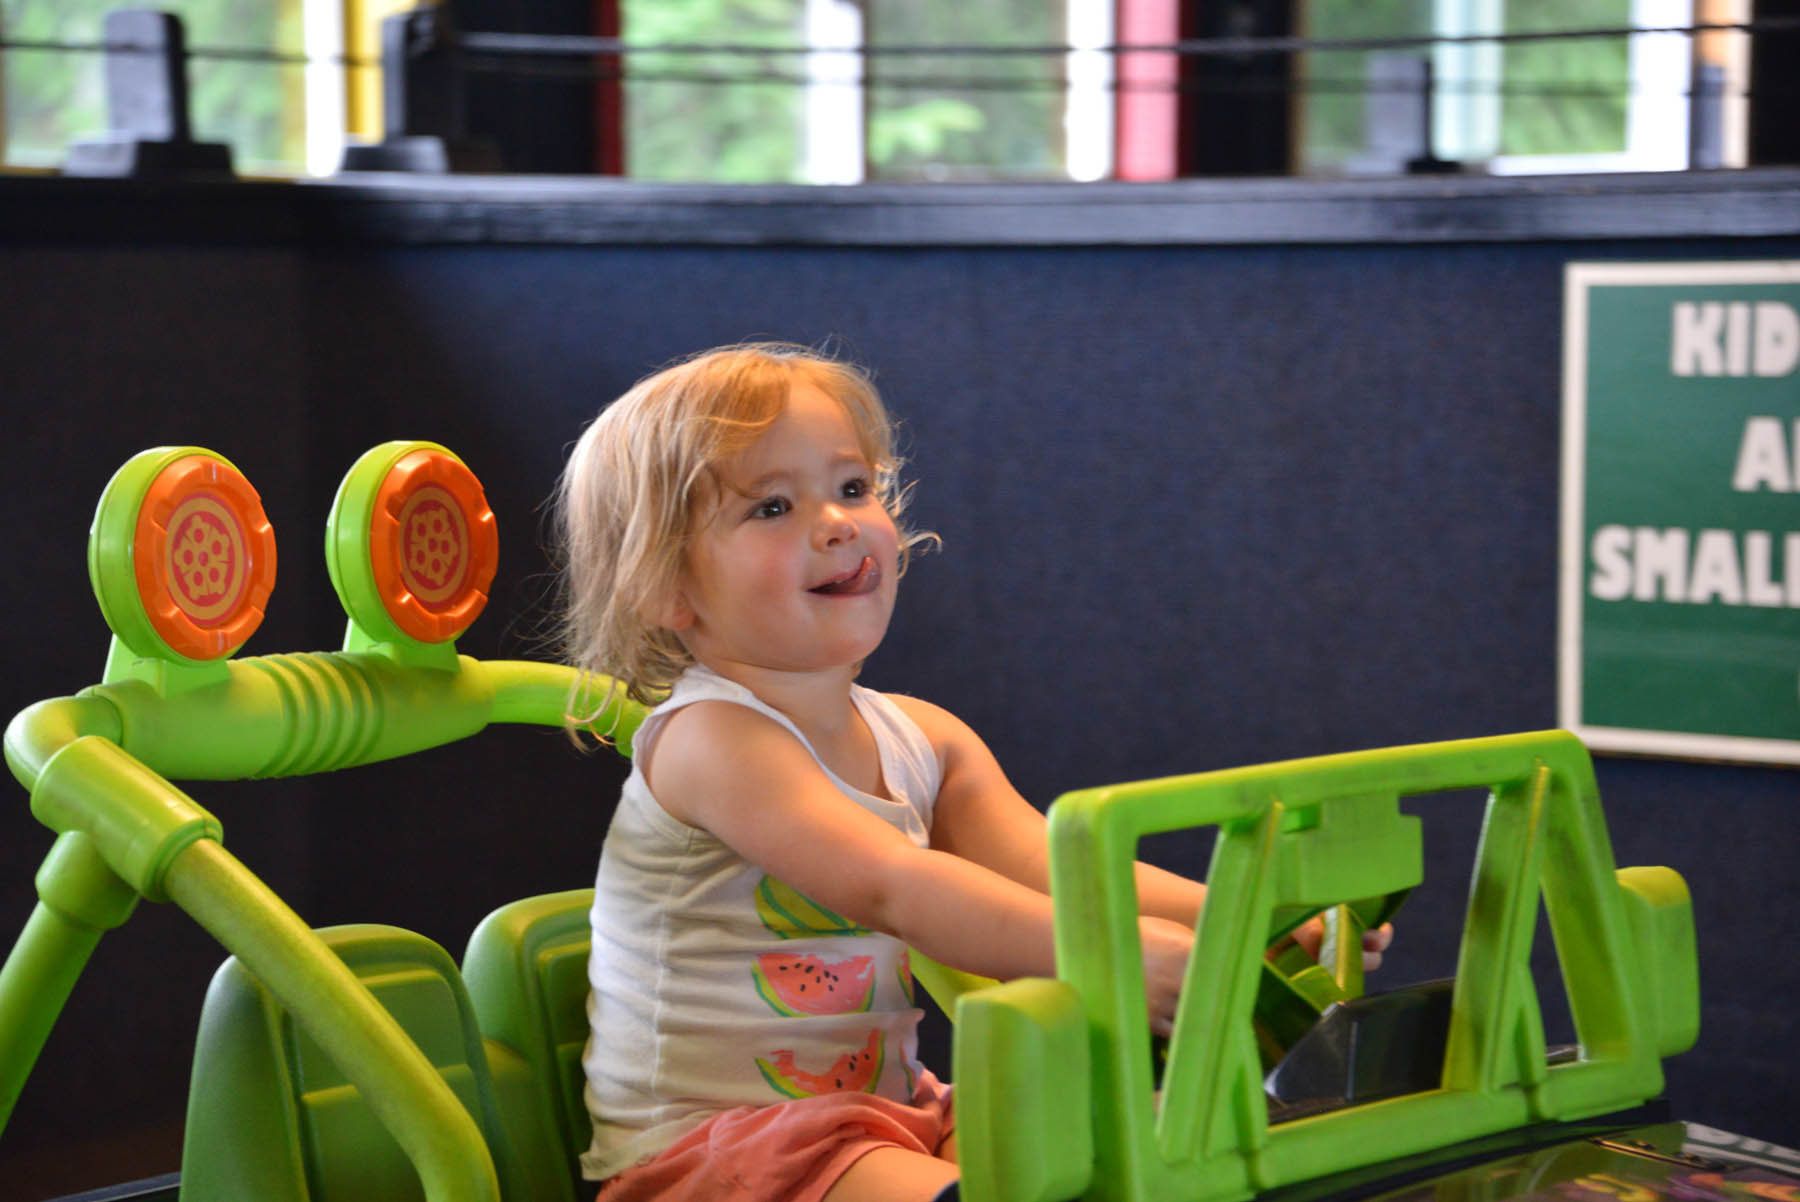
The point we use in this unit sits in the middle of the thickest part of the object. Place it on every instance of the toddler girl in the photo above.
(733, 541)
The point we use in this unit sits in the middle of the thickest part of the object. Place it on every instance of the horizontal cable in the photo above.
(1317, 85)
(524, 45)
(528, 44)
(244, 54)
(600, 71)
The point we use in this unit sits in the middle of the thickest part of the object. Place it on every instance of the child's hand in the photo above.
(1167, 946)
(1311, 935)
(1374, 943)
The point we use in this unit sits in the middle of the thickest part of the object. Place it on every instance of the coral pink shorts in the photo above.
(786, 1152)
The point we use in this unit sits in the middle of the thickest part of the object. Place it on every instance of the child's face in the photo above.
(794, 565)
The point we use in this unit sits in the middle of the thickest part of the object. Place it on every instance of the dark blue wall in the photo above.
(1202, 504)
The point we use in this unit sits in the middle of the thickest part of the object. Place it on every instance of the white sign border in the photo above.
(1578, 278)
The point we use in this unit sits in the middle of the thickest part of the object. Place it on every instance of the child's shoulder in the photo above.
(707, 748)
(943, 728)
(709, 723)
(704, 705)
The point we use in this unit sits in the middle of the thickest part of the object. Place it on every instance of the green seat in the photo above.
(526, 969)
(271, 1117)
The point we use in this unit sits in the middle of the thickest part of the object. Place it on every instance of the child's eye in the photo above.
(770, 507)
(858, 487)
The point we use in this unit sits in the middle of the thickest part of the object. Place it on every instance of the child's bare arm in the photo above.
(749, 782)
(981, 817)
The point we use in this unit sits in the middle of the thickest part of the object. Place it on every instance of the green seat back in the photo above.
(271, 1117)
(526, 969)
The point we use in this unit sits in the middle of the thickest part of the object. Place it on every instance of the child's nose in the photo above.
(835, 526)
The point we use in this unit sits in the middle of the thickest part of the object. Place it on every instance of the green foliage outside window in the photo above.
(1006, 119)
(1333, 82)
(682, 125)
(1548, 108)
(683, 122)
(55, 97)
(1557, 96)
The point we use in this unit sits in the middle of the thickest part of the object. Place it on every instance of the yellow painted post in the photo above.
(290, 32)
(2, 94)
(362, 45)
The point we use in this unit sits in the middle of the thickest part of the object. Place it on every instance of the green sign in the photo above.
(1680, 592)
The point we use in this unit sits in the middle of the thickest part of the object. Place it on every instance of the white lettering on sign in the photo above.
(1765, 457)
(1711, 567)
(1734, 338)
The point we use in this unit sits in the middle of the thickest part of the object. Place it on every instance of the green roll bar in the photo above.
(99, 765)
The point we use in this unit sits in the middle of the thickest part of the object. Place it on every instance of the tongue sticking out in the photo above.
(863, 579)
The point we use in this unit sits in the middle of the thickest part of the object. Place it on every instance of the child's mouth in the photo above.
(865, 577)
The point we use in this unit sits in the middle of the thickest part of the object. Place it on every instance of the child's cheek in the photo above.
(775, 567)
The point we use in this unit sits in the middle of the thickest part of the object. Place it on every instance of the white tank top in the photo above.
(714, 985)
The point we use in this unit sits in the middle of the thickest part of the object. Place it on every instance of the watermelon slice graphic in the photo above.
(801, 985)
(853, 1072)
(790, 914)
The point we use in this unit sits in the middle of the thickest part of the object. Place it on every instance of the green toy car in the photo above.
(363, 1062)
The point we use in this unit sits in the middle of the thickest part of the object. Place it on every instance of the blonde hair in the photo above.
(640, 477)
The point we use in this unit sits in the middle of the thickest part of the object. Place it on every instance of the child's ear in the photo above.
(672, 611)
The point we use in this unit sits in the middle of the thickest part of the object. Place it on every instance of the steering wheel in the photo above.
(1295, 989)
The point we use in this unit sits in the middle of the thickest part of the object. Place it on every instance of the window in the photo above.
(1363, 110)
(1603, 104)
(1522, 104)
(724, 115)
(255, 103)
(813, 108)
(941, 117)
(843, 91)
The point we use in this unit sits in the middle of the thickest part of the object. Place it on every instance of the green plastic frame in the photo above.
(1307, 833)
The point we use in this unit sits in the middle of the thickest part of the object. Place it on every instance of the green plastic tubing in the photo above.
(40, 731)
(80, 898)
(530, 692)
(96, 767)
(396, 1080)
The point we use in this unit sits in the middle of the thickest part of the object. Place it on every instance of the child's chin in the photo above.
(854, 652)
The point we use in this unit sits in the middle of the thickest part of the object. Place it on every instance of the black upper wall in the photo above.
(1225, 472)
